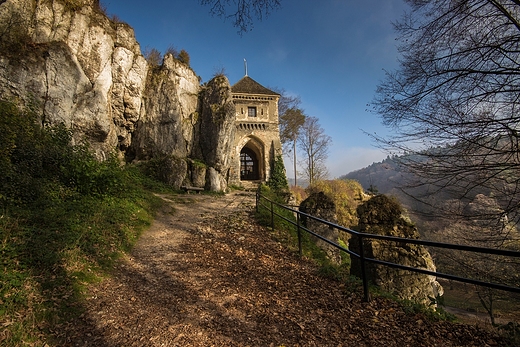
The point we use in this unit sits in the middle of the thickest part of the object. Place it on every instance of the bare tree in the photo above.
(242, 12)
(172, 50)
(184, 57)
(14, 29)
(315, 146)
(287, 100)
(153, 56)
(291, 122)
(288, 106)
(291, 118)
(453, 104)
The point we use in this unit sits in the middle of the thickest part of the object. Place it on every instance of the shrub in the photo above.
(172, 50)
(39, 164)
(76, 5)
(299, 194)
(278, 180)
(153, 57)
(65, 218)
(184, 57)
(346, 194)
(15, 37)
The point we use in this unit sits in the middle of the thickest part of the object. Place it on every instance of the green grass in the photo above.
(287, 233)
(50, 255)
(65, 217)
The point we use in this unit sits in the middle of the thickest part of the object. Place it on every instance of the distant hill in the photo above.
(385, 176)
(432, 212)
(389, 177)
(301, 182)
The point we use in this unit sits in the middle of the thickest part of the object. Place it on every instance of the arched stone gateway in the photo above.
(252, 159)
(248, 165)
(257, 138)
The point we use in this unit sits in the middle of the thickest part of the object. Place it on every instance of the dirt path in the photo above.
(206, 275)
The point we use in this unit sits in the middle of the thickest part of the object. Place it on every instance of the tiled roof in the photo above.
(250, 86)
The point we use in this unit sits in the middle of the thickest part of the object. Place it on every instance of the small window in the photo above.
(251, 111)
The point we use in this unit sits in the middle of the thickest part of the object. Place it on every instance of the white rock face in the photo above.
(79, 68)
(168, 119)
(82, 70)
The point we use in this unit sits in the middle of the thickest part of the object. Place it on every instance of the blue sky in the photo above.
(330, 52)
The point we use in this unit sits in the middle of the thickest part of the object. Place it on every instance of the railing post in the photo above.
(299, 234)
(272, 216)
(366, 293)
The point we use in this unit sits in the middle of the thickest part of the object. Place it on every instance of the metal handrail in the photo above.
(363, 236)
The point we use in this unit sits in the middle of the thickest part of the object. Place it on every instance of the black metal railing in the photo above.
(269, 205)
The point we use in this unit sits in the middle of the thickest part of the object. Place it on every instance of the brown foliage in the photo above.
(346, 194)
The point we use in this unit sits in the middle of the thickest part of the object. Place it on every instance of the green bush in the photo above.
(264, 215)
(278, 179)
(65, 217)
(39, 165)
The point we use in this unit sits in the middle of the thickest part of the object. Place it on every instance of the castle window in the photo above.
(251, 111)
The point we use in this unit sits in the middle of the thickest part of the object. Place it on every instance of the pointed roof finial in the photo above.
(245, 66)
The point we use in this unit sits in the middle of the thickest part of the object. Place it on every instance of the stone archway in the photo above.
(249, 170)
(252, 160)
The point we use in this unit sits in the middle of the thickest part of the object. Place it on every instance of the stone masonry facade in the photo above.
(257, 138)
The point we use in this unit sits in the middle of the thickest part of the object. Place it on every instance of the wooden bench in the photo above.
(187, 189)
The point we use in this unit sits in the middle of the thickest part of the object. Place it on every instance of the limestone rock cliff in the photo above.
(321, 206)
(383, 216)
(217, 131)
(167, 121)
(74, 65)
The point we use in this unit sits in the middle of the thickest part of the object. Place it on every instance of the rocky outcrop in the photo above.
(217, 131)
(321, 206)
(73, 65)
(383, 216)
(482, 211)
(169, 116)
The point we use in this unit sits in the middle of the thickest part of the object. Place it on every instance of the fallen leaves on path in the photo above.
(208, 275)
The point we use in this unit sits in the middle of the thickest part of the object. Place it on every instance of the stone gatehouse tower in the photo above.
(257, 137)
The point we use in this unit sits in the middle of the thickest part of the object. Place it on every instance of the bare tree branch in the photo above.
(453, 105)
(315, 145)
(242, 12)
